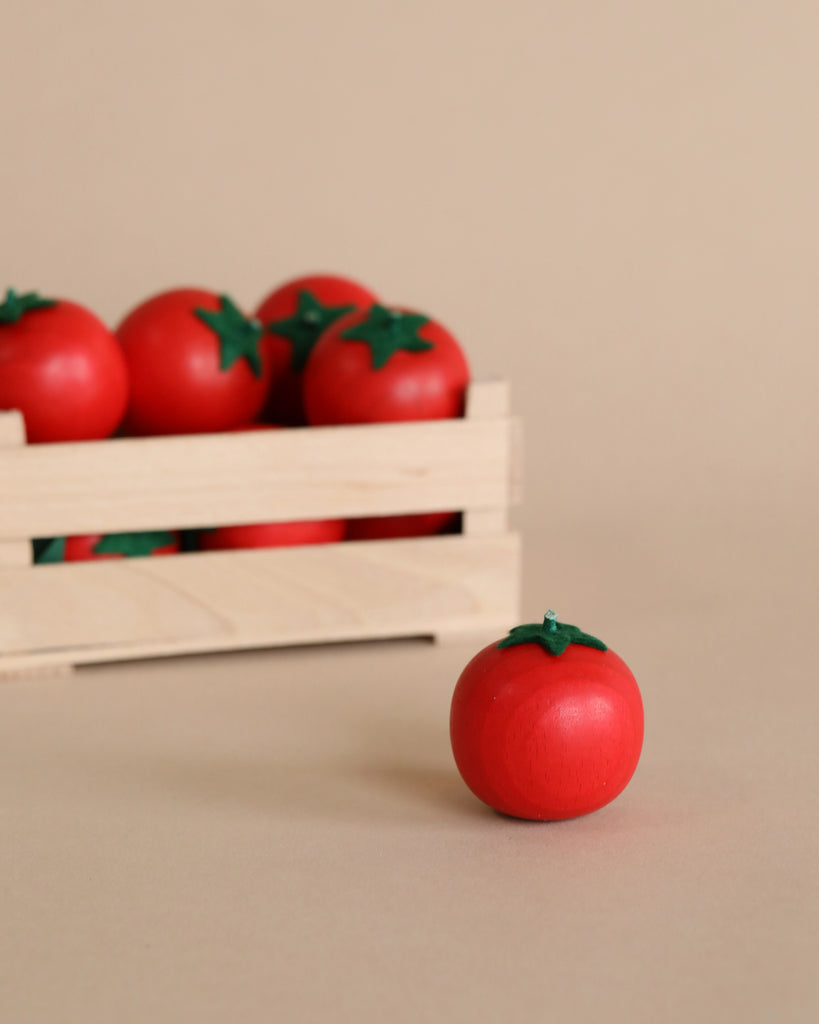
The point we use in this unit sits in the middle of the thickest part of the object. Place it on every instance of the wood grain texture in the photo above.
(447, 587)
(111, 610)
(13, 551)
(488, 400)
(485, 522)
(491, 401)
(205, 480)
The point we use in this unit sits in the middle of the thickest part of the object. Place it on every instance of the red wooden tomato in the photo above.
(295, 315)
(419, 524)
(62, 368)
(381, 365)
(547, 724)
(271, 535)
(196, 364)
(95, 546)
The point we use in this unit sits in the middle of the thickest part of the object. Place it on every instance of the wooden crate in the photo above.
(72, 613)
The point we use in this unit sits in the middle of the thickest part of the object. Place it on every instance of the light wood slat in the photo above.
(488, 400)
(13, 435)
(110, 610)
(195, 481)
(12, 428)
(484, 522)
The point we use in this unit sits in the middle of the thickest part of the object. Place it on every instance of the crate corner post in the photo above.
(13, 550)
(486, 529)
(16, 557)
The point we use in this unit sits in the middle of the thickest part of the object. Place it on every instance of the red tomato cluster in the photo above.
(318, 350)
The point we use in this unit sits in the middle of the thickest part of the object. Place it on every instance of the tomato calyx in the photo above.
(130, 545)
(238, 335)
(553, 636)
(49, 549)
(304, 327)
(388, 331)
(15, 306)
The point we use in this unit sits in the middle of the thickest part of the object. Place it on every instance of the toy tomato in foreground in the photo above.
(94, 546)
(547, 724)
(385, 365)
(294, 316)
(62, 368)
(196, 364)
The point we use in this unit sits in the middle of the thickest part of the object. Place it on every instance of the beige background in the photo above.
(615, 207)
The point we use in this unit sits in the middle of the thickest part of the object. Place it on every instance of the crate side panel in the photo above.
(260, 476)
(488, 400)
(228, 600)
(13, 435)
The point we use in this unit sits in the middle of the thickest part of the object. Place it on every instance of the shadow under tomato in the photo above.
(385, 760)
(332, 790)
(422, 788)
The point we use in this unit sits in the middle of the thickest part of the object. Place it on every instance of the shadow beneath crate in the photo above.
(233, 656)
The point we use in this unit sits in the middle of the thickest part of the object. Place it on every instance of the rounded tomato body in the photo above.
(543, 736)
(343, 384)
(196, 364)
(272, 535)
(294, 315)
(82, 547)
(63, 369)
(421, 524)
